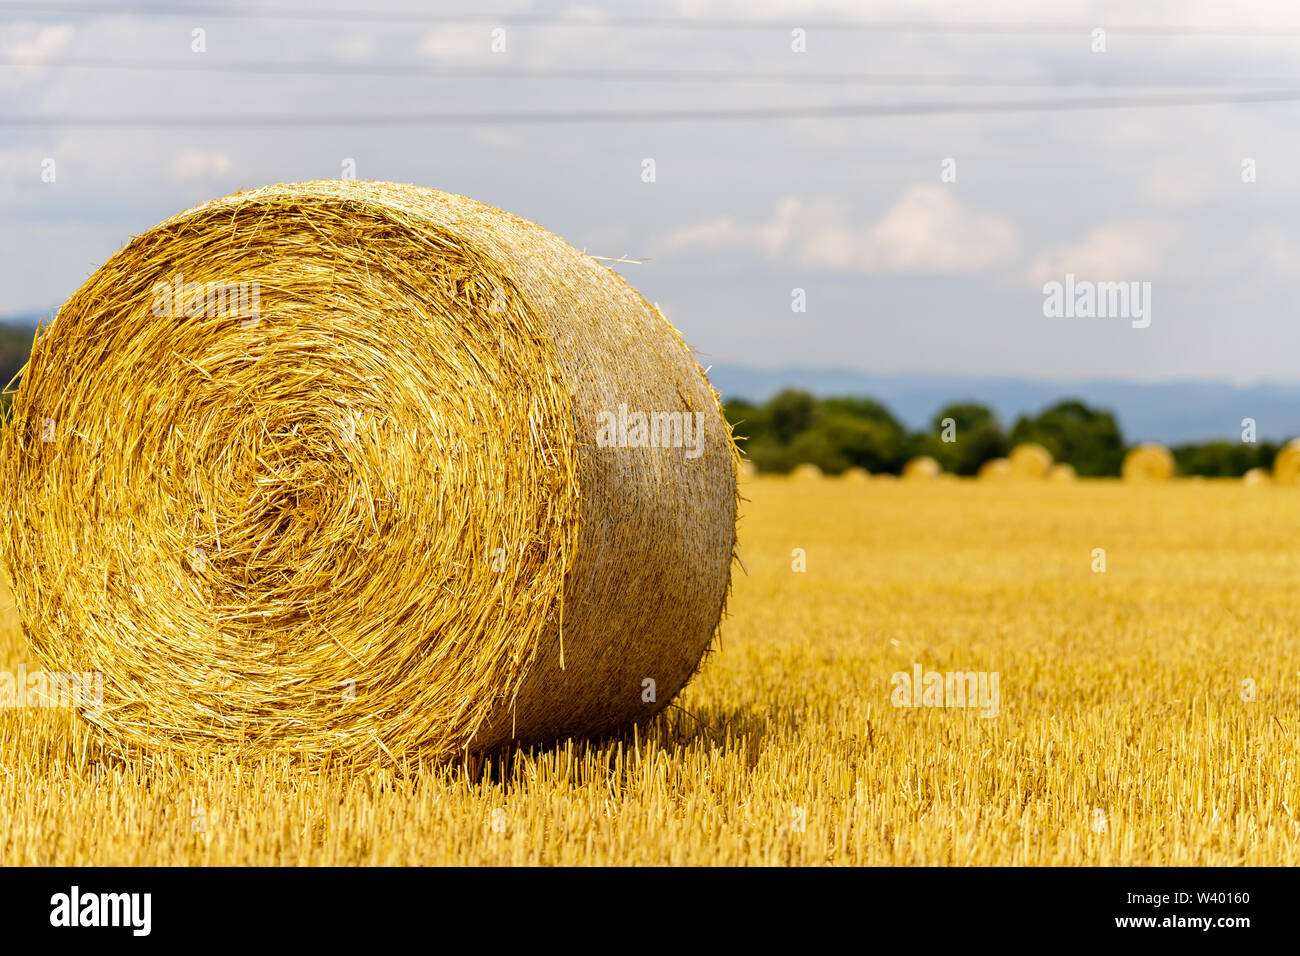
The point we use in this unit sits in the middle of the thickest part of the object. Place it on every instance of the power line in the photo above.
(391, 15)
(626, 75)
(662, 115)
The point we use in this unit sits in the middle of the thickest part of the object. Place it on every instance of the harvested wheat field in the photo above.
(1147, 714)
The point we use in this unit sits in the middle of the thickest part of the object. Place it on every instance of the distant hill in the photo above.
(1170, 412)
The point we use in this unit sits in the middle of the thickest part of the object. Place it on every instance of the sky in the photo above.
(922, 243)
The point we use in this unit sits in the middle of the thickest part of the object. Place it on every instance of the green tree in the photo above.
(978, 437)
(866, 432)
(1087, 438)
(843, 440)
(790, 412)
(1223, 459)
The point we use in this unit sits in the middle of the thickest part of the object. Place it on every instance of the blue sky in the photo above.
(903, 272)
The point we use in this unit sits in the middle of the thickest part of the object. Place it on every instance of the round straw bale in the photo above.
(1257, 476)
(995, 469)
(1148, 462)
(806, 472)
(923, 468)
(856, 474)
(748, 469)
(437, 481)
(1030, 461)
(1062, 472)
(1286, 466)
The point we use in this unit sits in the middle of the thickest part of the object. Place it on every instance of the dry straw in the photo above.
(1286, 466)
(1063, 473)
(856, 474)
(1257, 476)
(1030, 462)
(923, 468)
(393, 508)
(748, 469)
(1148, 462)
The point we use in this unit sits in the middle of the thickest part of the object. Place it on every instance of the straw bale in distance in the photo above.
(378, 515)
(1148, 462)
(995, 469)
(1286, 466)
(806, 471)
(923, 468)
(856, 474)
(1062, 472)
(1257, 476)
(1030, 461)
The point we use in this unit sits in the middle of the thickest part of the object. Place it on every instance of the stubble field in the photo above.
(1147, 714)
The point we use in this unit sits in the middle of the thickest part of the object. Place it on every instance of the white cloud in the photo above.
(43, 44)
(767, 239)
(1113, 252)
(456, 42)
(195, 164)
(925, 231)
(1187, 187)
(1274, 248)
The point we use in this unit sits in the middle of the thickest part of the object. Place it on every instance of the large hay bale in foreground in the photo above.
(1286, 465)
(995, 469)
(1030, 462)
(450, 483)
(923, 468)
(1148, 462)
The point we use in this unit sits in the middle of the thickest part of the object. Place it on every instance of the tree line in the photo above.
(846, 432)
